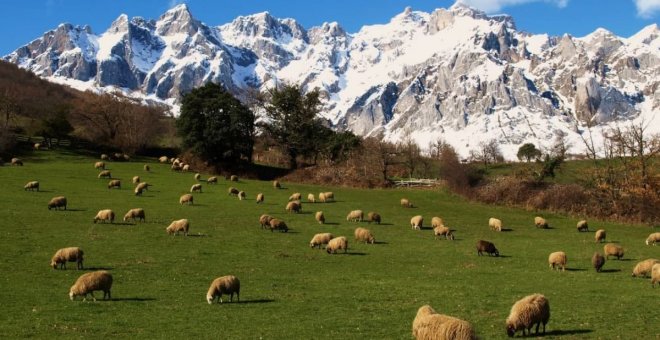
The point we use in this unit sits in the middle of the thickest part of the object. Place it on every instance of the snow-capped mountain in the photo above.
(456, 73)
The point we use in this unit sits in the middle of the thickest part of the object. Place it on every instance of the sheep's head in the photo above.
(312, 245)
(209, 299)
(72, 294)
(496, 252)
(53, 264)
(510, 330)
(372, 240)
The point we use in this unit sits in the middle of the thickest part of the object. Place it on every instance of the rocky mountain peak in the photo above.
(177, 20)
(120, 24)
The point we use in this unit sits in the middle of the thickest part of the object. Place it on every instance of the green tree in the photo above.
(215, 125)
(528, 151)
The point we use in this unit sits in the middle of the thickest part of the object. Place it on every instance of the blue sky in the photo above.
(24, 20)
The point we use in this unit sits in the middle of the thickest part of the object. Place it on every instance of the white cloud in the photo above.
(647, 8)
(491, 6)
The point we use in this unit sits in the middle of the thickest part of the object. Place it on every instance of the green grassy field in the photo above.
(289, 291)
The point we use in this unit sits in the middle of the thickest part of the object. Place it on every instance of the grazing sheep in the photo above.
(212, 179)
(582, 226)
(310, 198)
(146, 168)
(655, 274)
(90, 282)
(31, 186)
(241, 195)
(178, 225)
(488, 247)
(105, 157)
(115, 183)
(37, 146)
(277, 224)
(175, 167)
(196, 188)
(417, 222)
(16, 161)
(185, 167)
(233, 191)
(557, 259)
(329, 196)
(260, 198)
(429, 325)
(436, 222)
(126, 157)
(337, 243)
(653, 239)
(495, 224)
(136, 179)
(233, 178)
(406, 203)
(133, 214)
(643, 268)
(373, 217)
(441, 230)
(143, 185)
(163, 159)
(198, 176)
(294, 207)
(186, 198)
(598, 261)
(320, 239)
(277, 185)
(99, 165)
(320, 217)
(321, 197)
(600, 235)
(105, 174)
(264, 220)
(57, 202)
(228, 284)
(105, 215)
(540, 222)
(355, 216)
(612, 249)
(364, 235)
(64, 255)
(295, 197)
(527, 312)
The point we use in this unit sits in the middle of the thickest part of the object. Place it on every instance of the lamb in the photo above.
(115, 183)
(540, 222)
(320, 217)
(146, 168)
(260, 198)
(488, 247)
(198, 176)
(527, 312)
(653, 239)
(337, 243)
(600, 235)
(557, 259)
(163, 159)
(228, 284)
(294, 207)
(212, 179)
(233, 178)
(90, 282)
(429, 325)
(133, 214)
(32, 185)
(364, 235)
(582, 226)
(417, 222)
(105, 215)
(436, 222)
(355, 216)
(16, 161)
(64, 255)
(643, 268)
(57, 202)
(178, 225)
(295, 197)
(136, 179)
(598, 261)
(441, 230)
(320, 239)
(310, 198)
(196, 188)
(232, 191)
(655, 274)
(105, 174)
(99, 165)
(495, 224)
(406, 203)
(277, 224)
(186, 198)
(277, 185)
(612, 249)
(264, 220)
(373, 217)
(241, 195)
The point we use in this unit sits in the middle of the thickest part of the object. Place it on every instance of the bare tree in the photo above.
(487, 153)
(410, 154)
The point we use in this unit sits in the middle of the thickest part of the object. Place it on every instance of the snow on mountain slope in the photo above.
(455, 73)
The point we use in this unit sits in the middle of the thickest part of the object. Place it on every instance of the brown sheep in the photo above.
(232, 191)
(557, 259)
(264, 220)
(277, 224)
(57, 202)
(488, 247)
(373, 217)
(598, 261)
(527, 312)
(294, 207)
(135, 214)
(612, 249)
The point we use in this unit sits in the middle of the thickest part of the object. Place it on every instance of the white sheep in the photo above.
(115, 183)
(185, 167)
(320, 217)
(232, 191)
(329, 196)
(233, 178)
(441, 230)
(320, 239)
(600, 235)
(264, 220)
(653, 239)
(198, 176)
(105, 174)
(196, 188)
(406, 203)
(90, 282)
(146, 168)
(495, 224)
(364, 235)
(322, 197)
(241, 195)
(32, 185)
(540, 222)
(260, 198)
(99, 165)
(436, 222)
(558, 260)
(294, 207)
(135, 214)
(277, 185)
(310, 198)
(136, 179)
(228, 284)
(105, 215)
(417, 222)
(337, 243)
(612, 249)
(143, 186)
(355, 216)
(212, 179)
(655, 274)
(69, 254)
(295, 197)
(178, 225)
(582, 226)
(186, 198)
(429, 325)
(163, 159)
(527, 312)
(643, 268)
(105, 157)
(16, 161)
(57, 202)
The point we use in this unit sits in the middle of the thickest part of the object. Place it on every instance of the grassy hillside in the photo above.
(287, 289)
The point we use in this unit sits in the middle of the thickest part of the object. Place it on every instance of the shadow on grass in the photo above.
(506, 230)
(610, 270)
(576, 270)
(119, 223)
(198, 235)
(381, 242)
(568, 332)
(98, 268)
(331, 223)
(354, 253)
(131, 299)
(625, 260)
(255, 301)
(384, 223)
(75, 209)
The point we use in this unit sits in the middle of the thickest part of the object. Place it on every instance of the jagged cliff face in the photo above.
(455, 73)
